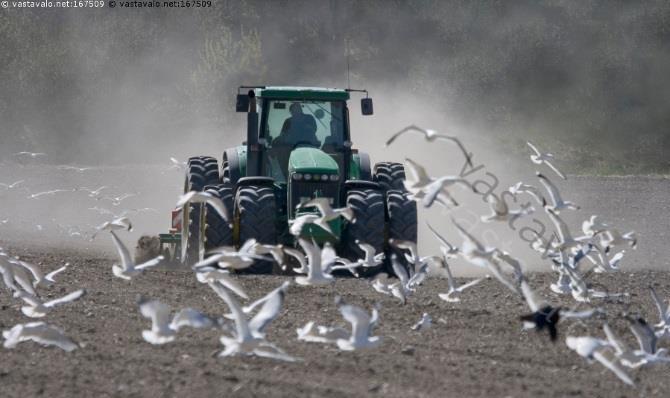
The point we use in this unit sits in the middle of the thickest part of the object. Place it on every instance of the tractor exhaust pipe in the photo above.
(253, 149)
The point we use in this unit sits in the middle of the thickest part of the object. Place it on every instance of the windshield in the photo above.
(290, 124)
(310, 123)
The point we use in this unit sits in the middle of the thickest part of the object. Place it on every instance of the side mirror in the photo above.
(366, 106)
(242, 103)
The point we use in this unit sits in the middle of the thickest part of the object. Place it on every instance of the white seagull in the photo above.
(33, 155)
(428, 189)
(558, 203)
(318, 261)
(424, 323)
(114, 225)
(321, 334)
(128, 269)
(500, 210)
(40, 333)
(164, 326)
(452, 296)
(592, 348)
(327, 212)
(12, 185)
(430, 136)
(544, 158)
(520, 187)
(37, 309)
(247, 340)
(361, 327)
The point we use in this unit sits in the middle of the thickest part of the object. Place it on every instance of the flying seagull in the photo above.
(558, 203)
(430, 136)
(37, 309)
(40, 333)
(247, 338)
(128, 269)
(164, 327)
(361, 327)
(544, 158)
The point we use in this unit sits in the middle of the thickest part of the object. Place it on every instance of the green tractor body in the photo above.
(298, 147)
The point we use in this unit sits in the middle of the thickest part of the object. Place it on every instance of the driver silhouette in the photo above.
(299, 127)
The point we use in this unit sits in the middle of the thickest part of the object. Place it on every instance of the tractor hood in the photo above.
(311, 160)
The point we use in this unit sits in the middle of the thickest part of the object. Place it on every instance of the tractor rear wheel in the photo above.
(255, 213)
(401, 218)
(218, 231)
(201, 171)
(368, 207)
(389, 175)
(401, 211)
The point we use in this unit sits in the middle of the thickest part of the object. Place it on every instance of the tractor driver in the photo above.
(298, 128)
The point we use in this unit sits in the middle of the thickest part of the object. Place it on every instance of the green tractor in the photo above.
(298, 147)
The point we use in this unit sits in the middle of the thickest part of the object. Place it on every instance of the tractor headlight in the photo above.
(297, 176)
(334, 177)
(308, 177)
(324, 177)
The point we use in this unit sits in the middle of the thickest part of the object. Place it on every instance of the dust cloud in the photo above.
(123, 90)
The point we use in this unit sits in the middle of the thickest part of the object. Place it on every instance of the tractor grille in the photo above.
(305, 189)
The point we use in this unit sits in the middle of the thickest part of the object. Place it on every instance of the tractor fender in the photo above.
(235, 159)
(257, 180)
(360, 167)
(352, 184)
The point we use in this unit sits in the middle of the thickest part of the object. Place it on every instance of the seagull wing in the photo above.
(49, 335)
(613, 365)
(66, 299)
(151, 263)
(469, 284)
(469, 241)
(418, 172)
(468, 156)
(660, 305)
(551, 166)
(644, 334)
(158, 312)
(359, 320)
(400, 272)
(614, 340)
(440, 238)
(37, 273)
(533, 301)
(241, 324)
(126, 260)
(269, 311)
(50, 276)
(297, 254)
(538, 153)
(403, 131)
(561, 226)
(322, 204)
(226, 281)
(191, 318)
(551, 188)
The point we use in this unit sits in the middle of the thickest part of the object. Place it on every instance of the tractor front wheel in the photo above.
(368, 207)
(255, 213)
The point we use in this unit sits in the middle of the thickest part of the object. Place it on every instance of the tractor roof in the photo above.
(302, 93)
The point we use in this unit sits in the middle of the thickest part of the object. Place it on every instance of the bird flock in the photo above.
(574, 257)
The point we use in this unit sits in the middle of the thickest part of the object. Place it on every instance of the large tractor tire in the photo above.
(401, 221)
(401, 211)
(389, 175)
(218, 231)
(368, 207)
(255, 213)
(201, 171)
